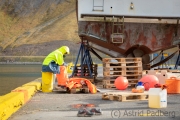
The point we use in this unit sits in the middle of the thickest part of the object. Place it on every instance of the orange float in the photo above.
(149, 81)
(121, 83)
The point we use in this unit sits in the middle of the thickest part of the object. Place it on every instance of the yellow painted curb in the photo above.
(34, 83)
(28, 92)
(10, 103)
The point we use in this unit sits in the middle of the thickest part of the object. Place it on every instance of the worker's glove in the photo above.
(65, 64)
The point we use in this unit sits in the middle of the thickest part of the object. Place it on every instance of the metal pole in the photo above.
(76, 60)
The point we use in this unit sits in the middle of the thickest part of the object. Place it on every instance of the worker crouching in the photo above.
(51, 67)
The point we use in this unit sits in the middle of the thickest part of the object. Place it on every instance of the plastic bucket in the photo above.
(47, 82)
(173, 85)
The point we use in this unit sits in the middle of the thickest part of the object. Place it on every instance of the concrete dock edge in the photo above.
(18, 97)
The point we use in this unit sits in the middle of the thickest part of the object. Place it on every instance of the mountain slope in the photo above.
(31, 22)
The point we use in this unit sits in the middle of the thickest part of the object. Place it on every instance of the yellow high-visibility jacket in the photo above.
(56, 56)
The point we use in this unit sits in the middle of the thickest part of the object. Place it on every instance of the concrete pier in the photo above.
(60, 106)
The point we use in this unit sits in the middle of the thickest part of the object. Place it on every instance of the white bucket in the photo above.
(157, 98)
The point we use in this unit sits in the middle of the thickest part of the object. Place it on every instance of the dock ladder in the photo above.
(117, 37)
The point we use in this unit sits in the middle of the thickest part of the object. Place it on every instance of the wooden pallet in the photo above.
(108, 72)
(121, 68)
(124, 71)
(79, 90)
(122, 64)
(174, 71)
(108, 84)
(125, 96)
(85, 71)
(129, 76)
(117, 60)
(131, 68)
(84, 74)
(86, 67)
(160, 71)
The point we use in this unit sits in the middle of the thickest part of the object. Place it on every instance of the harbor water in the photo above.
(15, 75)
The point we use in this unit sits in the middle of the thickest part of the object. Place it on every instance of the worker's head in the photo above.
(64, 50)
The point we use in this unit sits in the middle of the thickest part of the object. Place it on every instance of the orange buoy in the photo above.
(121, 83)
(149, 81)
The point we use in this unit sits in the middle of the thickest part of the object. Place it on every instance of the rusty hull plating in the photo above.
(147, 36)
(147, 33)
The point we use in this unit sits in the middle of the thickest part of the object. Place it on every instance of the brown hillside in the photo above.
(36, 22)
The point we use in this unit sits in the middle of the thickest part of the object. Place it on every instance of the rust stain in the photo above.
(82, 105)
(127, 40)
(153, 41)
(142, 39)
(168, 38)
